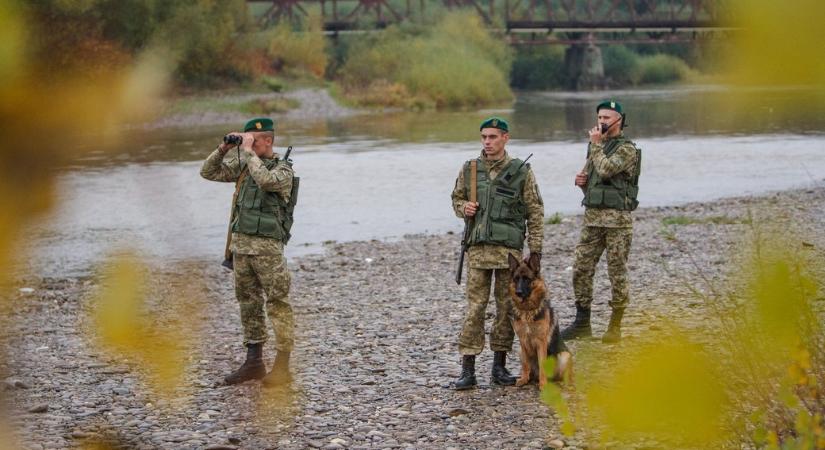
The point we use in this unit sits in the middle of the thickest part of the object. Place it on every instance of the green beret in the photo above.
(609, 104)
(259, 124)
(495, 122)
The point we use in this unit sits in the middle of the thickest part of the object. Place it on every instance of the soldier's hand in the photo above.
(224, 147)
(596, 135)
(581, 179)
(248, 139)
(470, 209)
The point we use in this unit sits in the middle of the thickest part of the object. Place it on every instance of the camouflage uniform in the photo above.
(605, 228)
(489, 262)
(261, 275)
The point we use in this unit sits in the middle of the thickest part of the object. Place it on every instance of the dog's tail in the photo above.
(556, 344)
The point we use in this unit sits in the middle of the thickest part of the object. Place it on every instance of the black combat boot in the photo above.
(279, 375)
(468, 374)
(501, 375)
(614, 330)
(251, 369)
(580, 327)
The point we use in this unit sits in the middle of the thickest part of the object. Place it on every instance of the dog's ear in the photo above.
(513, 261)
(535, 262)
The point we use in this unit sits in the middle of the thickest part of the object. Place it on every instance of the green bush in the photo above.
(539, 68)
(661, 68)
(456, 62)
(298, 50)
(621, 65)
(206, 40)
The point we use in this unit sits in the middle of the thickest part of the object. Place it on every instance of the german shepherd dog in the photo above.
(535, 324)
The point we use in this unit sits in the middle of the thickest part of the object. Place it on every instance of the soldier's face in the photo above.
(494, 141)
(611, 118)
(262, 146)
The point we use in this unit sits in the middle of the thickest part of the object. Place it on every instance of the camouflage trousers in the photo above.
(591, 245)
(262, 282)
(471, 339)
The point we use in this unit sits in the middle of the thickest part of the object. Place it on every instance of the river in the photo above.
(383, 176)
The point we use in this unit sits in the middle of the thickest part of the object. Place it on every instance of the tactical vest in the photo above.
(262, 213)
(620, 190)
(502, 214)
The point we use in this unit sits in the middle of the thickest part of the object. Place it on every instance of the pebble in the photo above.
(40, 408)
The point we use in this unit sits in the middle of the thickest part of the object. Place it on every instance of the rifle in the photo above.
(228, 258)
(468, 222)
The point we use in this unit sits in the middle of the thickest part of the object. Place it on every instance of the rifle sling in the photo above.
(474, 180)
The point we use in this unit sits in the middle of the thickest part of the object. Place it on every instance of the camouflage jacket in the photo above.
(278, 180)
(622, 160)
(487, 256)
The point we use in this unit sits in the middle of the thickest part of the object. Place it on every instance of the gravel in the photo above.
(376, 325)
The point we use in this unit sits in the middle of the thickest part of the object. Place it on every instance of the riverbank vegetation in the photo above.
(448, 58)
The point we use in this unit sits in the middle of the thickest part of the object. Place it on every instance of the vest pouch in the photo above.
(270, 226)
(250, 199)
(595, 196)
(497, 207)
(247, 223)
(612, 199)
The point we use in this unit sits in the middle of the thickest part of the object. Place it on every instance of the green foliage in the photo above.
(625, 67)
(455, 63)
(204, 39)
(621, 65)
(661, 68)
(273, 84)
(539, 68)
(555, 219)
(296, 50)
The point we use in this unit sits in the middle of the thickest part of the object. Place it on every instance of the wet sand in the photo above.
(376, 329)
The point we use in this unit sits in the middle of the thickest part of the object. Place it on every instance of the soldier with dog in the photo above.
(507, 206)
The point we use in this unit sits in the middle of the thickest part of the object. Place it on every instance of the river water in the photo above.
(383, 176)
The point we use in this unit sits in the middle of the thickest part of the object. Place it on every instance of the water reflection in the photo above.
(535, 117)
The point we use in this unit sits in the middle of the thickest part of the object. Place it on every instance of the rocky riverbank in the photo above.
(376, 331)
(310, 104)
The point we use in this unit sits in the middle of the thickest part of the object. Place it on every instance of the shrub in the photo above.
(555, 219)
(621, 65)
(661, 68)
(453, 63)
(298, 50)
(538, 68)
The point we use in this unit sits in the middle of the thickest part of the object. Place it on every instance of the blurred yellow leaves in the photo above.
(129, 326)
(11, 42)
(778, 43)
(47, 112)
(668, 389)
(756, 377)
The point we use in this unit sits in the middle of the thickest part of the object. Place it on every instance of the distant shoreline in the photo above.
(312, 104)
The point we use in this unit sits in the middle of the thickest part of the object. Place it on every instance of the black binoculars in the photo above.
(232, 139)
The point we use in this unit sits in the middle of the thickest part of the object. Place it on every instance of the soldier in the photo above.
(610, 182)
(509, 204)
(260, 227)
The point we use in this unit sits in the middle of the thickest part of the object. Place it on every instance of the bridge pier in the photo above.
(584, 65)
